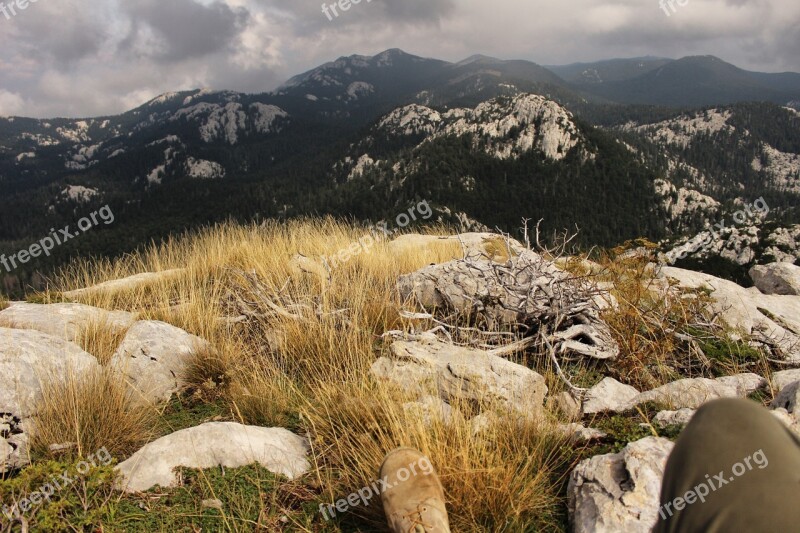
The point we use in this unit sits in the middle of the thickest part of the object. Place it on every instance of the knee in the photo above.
(729, 408)
(728, 414)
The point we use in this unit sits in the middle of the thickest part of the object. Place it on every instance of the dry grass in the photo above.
(312, 375)
(92, 411)
(100, 339)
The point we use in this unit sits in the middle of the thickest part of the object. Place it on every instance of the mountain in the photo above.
(607, 71)
(484, 140)
(693, 82)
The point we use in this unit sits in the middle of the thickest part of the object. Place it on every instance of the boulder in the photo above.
(770, 319)
(782, 379)
(608, 395)
(429, 409)
(214, 444)
(130, 283)
(688, 393)
(301, 265)
(681, 417)
(619, 492)
(153, 355)
(746, 384)
(578, 433)
(567, 405)
(429, 366)
(27, 358)
(789, 399)
(64, 320)
(777, 278)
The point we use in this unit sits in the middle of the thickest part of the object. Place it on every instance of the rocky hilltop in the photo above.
(244, 357)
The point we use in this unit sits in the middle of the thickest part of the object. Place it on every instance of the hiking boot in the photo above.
(413, 497)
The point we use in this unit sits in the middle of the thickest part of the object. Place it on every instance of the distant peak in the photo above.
(392, 52)
(702, 58)
(478, 58)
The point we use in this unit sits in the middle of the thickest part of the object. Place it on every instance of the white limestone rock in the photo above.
(213, 444)
(789, 398)
(130, 283)
(777, 278)
(619, 492)
(784, 378)
(769, 319)
(681, 417)
(28, 359)
(429, 366)
(746, 384)
(608, 395)
(63, 320)
(578, 433)
(153, 356)
(688, 393)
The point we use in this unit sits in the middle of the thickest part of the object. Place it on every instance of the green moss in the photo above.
(623, 429)
(187, 411)
(78, 505)
(726, 352)
(243, 493)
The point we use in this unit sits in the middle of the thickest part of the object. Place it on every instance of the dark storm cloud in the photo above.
(59, 34)
(308, 15)
(184, 29)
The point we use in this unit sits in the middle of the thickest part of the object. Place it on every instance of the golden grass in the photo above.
(100, 339)
(312, 375)
(92, 411)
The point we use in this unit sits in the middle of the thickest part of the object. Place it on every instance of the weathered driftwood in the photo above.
(527, 295)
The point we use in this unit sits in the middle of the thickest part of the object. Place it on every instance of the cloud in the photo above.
(182, 29)
(93, 57)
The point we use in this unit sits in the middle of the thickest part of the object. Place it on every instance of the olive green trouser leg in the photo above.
(744, 463)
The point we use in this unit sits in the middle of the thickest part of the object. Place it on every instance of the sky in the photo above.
(82, 58)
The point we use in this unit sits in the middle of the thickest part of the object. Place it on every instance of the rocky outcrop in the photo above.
(784, 378)
(451, 372)
(153, 355)
(27, 358)
(210, 445)
(619, 492)
(789, 399)
(130, 283)
(688, 393)
(578, 433)
(769, 319)
(745, 384)
(777, 278)
(608, 395)
(64, 320)
(681, 417)
(429, 410)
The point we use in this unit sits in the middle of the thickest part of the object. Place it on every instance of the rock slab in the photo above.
(608, 395)
(65, 320)
(153, 355)
(214, 444)
(453, 372)
(777, 278)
